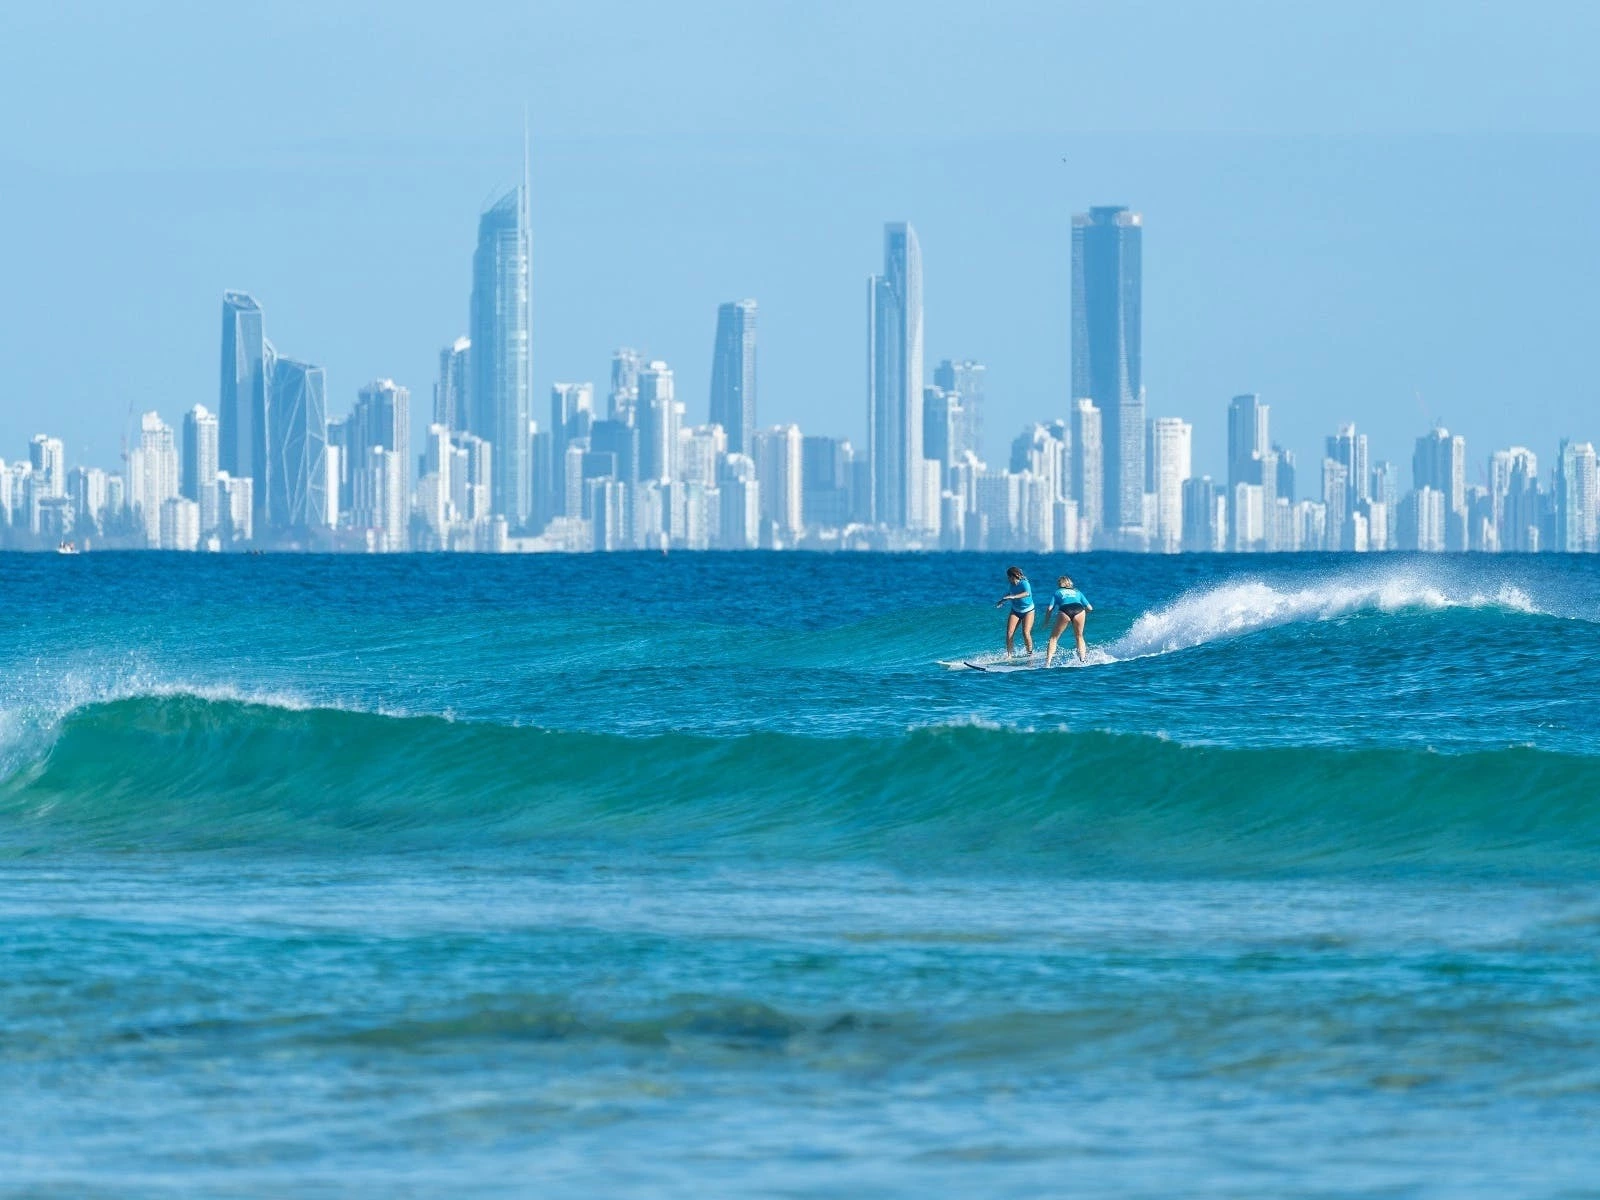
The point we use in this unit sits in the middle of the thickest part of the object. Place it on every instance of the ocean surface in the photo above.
(702, 875)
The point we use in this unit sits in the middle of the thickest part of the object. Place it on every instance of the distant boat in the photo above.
(67, 548)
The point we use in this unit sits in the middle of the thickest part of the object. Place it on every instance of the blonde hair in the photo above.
(1064, 581)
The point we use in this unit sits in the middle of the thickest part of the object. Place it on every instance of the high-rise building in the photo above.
(894, 382)
(1286, 474)
(198, 479)
(626, 363)
(235, 509)
(1336, 492)
(1088, 461)
(1204, 516)
(1440, 463)
(501, 398)
(454, 382)
(779, 470)
(242, 400)
(739, 504)
(1513, 498)
(1107, 360)
(381, 501)
(825, 473)
(1577, 499)
(1349, 448)
(471, 476)
(1250, 461)
(48, 457)
(297, 448)
(86, 488)
(382, 417)
(153, 474)
(1420, 523)
(943, 428)
(733, 374)
(966, 380)
(1386, 485)
(659, 420)
(180, 524)
(1170, 454)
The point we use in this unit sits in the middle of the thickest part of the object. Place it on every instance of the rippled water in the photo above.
(633, 876)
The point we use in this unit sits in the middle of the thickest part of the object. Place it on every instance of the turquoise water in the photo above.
(702, 875)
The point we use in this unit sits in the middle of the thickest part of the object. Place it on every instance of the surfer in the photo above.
(1021, 601)
(1070, 606)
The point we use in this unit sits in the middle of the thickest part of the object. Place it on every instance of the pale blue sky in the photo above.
(1378, 212)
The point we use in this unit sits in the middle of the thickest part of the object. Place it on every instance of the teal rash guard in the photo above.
(1023, 603)
(1066, 596)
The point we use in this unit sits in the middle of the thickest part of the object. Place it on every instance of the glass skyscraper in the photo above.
(733, 374)
(966, 379)
(1107, 361)
(894, 381)
(242, 401)
(297, 454)
(450, 392)
(501, 402)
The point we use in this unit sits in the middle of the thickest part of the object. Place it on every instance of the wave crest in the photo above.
(188, 774)
(1242, 607)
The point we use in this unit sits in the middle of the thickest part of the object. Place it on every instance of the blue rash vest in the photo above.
(1025, 603)
(1066, 596)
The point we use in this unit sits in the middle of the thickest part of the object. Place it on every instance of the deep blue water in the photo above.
(705, 875)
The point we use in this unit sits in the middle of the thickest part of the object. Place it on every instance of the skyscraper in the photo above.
(152, 474)
(894, 382)
(659, 422)
(1512, 474)
(501, 401)
(1088, 462)
(297, 448)
(966, 379)
(1350, 449)
(1250, 462)
(733, 374)
(454, 382)
(1440, 463)
(780, 471)
(1170, 442)
(242, 401)
(943, 428)
(1577, 499)
(1107, 360)
(382, 417)
(624, 394)
(199, 464)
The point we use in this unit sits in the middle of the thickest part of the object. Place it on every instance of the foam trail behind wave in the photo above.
(1237, 608)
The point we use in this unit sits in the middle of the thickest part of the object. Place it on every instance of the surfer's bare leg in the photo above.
(1011, 631)
(1061, 623)
(1077, 631)
(1027, 630)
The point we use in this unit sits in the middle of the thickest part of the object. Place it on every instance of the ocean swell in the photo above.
(180, 773)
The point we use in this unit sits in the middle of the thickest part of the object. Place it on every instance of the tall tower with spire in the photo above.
(501, 401)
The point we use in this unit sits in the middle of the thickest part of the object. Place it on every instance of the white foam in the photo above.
(1238, 608)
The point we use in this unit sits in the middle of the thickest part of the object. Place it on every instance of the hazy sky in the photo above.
(1380, 212)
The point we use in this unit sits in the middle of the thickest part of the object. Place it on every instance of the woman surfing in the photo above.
(1070, 607)
(1021, 600)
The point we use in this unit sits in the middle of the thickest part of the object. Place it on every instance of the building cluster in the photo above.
(269, 468)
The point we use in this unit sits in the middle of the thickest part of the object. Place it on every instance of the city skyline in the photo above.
(1102, 475)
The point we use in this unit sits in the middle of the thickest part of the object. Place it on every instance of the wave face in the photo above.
(185, 773)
